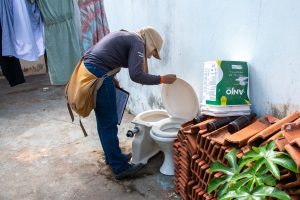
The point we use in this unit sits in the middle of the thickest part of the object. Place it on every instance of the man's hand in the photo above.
(168, 79)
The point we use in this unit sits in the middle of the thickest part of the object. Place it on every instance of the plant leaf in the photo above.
(229, 195)
(266, 180)
(264, 191)
(231, 157)
(223, 189)
(257, 165)
(273, 168)
(279, 194)
(270, 146)
(240, 194)
(250, 154)
(270, 158)
(251, 183)
(240, 183)
(215, 183)
(244, 174)
(219, 167)
(245, 161)
(286, 162)
(229, 172)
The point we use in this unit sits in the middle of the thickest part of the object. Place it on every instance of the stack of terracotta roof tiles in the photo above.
(195, 149)
(290, 141)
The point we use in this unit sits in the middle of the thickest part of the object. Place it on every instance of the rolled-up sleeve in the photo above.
(136, 63)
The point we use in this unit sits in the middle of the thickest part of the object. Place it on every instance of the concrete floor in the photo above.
(43, 155)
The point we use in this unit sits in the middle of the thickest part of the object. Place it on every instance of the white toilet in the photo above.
(155, 130)
(143, 146)
(164, 134)
(181, 103)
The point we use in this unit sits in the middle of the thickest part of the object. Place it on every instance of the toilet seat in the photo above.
(180, 100)
(181, 103)
(167, 128)
(150, 117)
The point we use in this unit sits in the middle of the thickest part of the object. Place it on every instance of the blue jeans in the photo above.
(107, 120)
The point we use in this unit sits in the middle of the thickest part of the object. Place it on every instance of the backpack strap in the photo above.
(70, 112)
(110, 73)
(101, 79)
(80, 123)
(82, 128)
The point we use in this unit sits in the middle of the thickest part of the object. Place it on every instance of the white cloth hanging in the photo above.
(23, 30)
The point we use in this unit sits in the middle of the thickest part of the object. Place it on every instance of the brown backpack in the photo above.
(81, 91)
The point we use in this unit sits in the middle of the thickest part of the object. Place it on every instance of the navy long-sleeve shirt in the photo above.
(121, 49)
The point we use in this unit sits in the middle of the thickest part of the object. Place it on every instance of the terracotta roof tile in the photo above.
(241, 137)
(294, 152)
(263, 135)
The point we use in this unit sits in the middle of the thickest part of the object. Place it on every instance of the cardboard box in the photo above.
(34, 68)
(31, 67)
(225, 83)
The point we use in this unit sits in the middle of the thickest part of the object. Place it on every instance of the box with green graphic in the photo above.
(225, 83)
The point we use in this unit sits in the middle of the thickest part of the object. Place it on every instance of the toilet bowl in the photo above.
(181, 103)
(155, 130)
(143, 146)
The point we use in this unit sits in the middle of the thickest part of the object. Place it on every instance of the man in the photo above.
(128, 50)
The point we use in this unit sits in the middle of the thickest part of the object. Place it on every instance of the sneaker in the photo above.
(130, 172)
(129, 155)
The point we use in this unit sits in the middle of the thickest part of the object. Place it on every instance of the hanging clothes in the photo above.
(77, 21)
(94, 24)
(23, 30)
(10, 67)
(61, 39)
(12, 70)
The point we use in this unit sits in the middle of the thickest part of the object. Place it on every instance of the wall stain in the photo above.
(155, 102)
(282, 110)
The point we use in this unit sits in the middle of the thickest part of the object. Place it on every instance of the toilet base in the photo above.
(143, 146)
(143, 158)
(166, 146)
(167, 167)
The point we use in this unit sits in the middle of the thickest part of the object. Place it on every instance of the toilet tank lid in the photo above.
(180, 99)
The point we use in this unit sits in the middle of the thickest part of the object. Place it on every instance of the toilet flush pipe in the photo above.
(131, 133)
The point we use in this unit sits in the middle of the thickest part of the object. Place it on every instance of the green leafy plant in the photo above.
(253, 176)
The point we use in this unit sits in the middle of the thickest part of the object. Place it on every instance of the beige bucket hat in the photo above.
(152, 40)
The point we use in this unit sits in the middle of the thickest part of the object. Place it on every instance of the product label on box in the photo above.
(210, 81)
(226, 83)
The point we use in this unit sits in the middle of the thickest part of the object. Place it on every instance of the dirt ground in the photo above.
(43, 155)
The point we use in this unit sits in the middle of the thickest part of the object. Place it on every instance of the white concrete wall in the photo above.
(265, 33)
